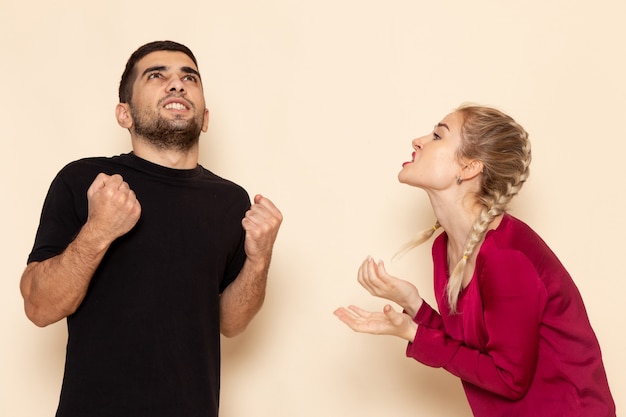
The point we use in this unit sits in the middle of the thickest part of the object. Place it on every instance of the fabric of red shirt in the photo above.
(521, 343)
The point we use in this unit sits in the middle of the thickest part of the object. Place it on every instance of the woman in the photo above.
(511, 322)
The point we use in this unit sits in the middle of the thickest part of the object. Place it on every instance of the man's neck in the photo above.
(170, 158)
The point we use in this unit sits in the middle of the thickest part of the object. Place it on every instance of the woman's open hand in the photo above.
(387, 322)
(375, 279)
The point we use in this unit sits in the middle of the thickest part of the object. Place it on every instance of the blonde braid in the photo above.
(421, 238)
(509, 149)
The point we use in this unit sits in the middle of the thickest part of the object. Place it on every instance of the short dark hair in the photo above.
(130, 73)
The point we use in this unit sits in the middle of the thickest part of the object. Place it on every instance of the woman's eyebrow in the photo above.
(443, 125)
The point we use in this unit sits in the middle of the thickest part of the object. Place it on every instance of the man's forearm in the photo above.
(243, 298)
(54, 288)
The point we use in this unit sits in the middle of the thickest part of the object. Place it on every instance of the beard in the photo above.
(176, 134)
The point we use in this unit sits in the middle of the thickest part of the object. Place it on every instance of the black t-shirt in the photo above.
(145, 340)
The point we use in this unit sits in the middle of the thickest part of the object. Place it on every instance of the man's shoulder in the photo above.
(80, 173)
(93, 162)
(210, 176)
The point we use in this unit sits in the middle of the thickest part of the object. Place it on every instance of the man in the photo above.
(148, 255)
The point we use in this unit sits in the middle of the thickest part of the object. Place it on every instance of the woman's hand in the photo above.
(375, 279)
(387, 322)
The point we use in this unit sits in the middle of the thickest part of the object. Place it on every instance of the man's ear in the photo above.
(205, 121)
(471, 169)
(122, 114)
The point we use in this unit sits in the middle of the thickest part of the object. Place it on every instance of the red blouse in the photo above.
(521, 343)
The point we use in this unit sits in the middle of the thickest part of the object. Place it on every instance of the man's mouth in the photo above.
(175, 106)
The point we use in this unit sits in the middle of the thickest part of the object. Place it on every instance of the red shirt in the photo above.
(521, 343)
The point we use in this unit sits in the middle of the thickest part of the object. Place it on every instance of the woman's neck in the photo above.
(456, 216)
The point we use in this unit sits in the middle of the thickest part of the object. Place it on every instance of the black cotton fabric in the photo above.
(145, 341)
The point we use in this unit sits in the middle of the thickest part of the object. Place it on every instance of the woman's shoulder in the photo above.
(511, 229)
(514, 238)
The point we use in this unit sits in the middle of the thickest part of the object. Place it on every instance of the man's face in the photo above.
(167, 106)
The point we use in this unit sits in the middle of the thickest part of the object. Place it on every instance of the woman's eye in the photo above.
(436, 136)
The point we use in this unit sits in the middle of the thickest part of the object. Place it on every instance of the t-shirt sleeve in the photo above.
(64, 212)
(513, 300)
(234, 266)
(239, 255)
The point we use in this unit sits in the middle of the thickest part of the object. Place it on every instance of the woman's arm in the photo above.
(513, 300)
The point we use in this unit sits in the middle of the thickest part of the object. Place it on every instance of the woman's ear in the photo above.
(122, 114)
(472, 169)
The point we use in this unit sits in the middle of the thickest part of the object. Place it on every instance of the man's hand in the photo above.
(261, 224)
(113, 207)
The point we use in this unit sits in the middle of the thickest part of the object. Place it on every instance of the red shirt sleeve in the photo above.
(512, 298)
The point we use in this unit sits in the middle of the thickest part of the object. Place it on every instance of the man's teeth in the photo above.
(175, 106)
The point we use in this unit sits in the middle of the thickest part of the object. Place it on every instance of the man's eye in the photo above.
(154, 75)
(191, 78)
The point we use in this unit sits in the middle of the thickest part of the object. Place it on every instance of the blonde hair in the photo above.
(502, 145)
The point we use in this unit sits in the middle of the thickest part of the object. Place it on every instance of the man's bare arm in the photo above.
(244, 297)
(54, 288)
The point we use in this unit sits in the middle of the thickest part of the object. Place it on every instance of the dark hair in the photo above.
(130, 73)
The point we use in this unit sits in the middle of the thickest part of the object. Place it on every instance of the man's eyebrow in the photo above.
(154, 68)
(443, 125)
(186, 70)
(190, 70)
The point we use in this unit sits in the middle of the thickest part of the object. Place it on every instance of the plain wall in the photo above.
(314, 104)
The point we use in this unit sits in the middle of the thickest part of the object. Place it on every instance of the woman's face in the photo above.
(434, 165)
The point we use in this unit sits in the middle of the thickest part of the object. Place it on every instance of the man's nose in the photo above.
(176, 84)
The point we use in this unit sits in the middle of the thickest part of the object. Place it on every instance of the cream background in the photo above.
(314, 104)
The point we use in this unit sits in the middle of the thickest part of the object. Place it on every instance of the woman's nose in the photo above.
(418, 143)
